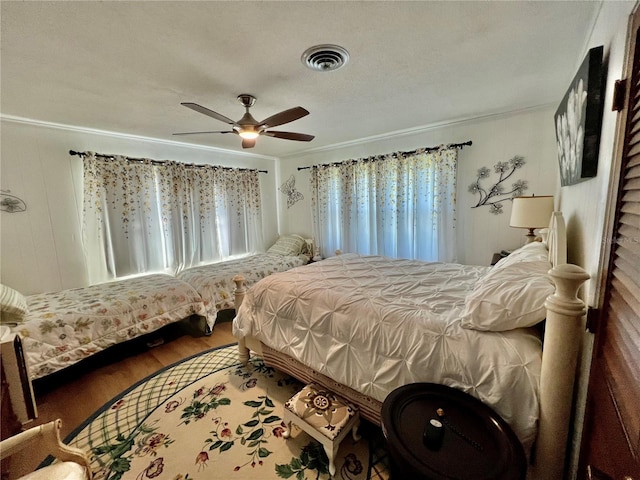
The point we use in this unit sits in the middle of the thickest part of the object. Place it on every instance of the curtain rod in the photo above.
(412, 152)
(161, 162)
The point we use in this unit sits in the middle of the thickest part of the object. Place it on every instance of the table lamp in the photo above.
(531, 213)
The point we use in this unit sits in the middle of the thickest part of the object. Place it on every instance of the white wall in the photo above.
(41, 249)
(498, 138)
(584, 204)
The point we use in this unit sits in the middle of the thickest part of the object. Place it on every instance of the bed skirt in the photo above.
(370, 408)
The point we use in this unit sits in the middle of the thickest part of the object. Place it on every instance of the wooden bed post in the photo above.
(562, 341)
(238, 297)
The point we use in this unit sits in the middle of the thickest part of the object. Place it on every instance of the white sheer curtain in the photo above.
(147, 216)
(397, 205)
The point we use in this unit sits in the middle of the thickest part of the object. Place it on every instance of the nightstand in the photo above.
(471, 441)
(499, 256)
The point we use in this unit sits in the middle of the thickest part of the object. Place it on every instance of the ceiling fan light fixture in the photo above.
(248, 134)
(325, 58)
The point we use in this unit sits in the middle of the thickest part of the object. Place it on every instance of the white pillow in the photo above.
(13, 305)
(60, 471)
(509, 297)
(288, 245)
(534, 251)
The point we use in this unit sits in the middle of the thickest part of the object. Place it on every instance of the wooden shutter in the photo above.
(622, 328)
(613, 434)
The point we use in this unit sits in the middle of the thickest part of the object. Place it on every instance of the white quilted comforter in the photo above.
(375, 323)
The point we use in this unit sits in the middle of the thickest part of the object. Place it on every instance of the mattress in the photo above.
(214, 282)
(374, 323)
(62, 328)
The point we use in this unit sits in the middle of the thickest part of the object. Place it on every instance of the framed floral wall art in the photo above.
(579, 120)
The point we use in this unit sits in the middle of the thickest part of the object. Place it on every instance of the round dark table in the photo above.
(476, 443)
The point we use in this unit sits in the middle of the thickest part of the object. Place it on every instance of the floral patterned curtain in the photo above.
(165, 216)
(398, 205)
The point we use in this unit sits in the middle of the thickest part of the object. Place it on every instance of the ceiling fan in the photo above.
(249, 128)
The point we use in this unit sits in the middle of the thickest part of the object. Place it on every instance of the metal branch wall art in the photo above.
(289, 189)
(11, 203)
(495, 195)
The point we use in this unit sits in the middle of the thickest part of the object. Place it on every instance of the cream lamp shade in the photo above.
(531, 213)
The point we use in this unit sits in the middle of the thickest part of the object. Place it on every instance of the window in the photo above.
(398, 205)
(146, 216)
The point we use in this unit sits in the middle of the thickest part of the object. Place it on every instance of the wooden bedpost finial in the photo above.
(239, 291)
(562, 340)
(568, 278)
(239, 281)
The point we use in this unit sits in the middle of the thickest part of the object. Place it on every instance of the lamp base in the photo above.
(530, 237)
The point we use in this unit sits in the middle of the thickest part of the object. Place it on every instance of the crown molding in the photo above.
(127, 136)
(415, 130)
(326, 148)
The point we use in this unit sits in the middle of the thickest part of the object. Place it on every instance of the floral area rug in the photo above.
(208, 417)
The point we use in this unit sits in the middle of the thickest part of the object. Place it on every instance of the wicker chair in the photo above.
(45, 440)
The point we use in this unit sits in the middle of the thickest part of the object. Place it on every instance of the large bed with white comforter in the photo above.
(375, 323)
(364, 325)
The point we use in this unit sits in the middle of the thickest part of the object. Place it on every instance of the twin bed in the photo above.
(59, 329)
(214, 282)
(365, 325)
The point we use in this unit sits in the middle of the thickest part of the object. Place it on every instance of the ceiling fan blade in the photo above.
(301, 137)
(195, 133)
(248, 143)
(210, 113)
(284, 117)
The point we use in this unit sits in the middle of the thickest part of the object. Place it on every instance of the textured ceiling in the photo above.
(126, 66)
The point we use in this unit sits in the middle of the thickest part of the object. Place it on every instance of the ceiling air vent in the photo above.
(325, 58)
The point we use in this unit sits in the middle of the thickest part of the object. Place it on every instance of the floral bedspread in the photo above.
(214, 282)
(65, 327)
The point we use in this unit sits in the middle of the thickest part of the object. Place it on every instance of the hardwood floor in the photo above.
(78, 393)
